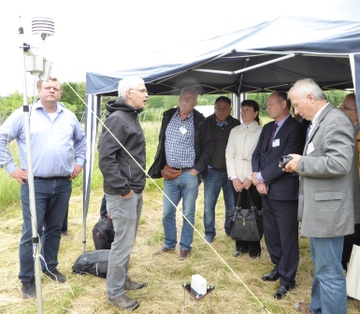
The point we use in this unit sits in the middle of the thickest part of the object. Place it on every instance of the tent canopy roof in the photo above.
(263, 58)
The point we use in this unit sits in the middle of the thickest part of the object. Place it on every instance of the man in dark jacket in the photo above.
(122, 163)
(279, 190)
(185, 145)
(221, 123)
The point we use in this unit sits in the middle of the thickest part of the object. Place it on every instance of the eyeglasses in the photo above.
(143, 91)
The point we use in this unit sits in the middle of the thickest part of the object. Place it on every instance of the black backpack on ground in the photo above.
(103, 233)
(92, 263)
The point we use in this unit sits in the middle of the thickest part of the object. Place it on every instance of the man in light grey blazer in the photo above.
(328, 170)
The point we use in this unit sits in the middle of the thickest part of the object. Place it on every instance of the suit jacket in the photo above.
(282, 185)
(328, 170)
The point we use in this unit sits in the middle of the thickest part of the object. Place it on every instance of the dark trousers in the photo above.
(52, 198)
(253, 247)
(281, 237)
(64, 227)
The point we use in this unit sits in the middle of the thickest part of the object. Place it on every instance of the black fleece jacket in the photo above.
(116, 160)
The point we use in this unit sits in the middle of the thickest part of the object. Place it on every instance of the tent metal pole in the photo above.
(355, 68)
(92, 112)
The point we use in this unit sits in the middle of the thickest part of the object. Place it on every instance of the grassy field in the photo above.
(237, 281)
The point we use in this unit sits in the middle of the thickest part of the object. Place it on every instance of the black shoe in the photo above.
(55, 275)
(272, 276)
(28, 289)
(255, 256)
(282, 291)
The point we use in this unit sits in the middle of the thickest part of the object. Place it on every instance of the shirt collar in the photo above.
(317, 115)
(221, 124)
(187, 117)
(37, 104)
(280, 123)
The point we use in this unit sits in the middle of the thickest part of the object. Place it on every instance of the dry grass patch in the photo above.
(237, 281)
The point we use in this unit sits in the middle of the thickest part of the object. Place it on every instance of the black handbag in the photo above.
(246, 223)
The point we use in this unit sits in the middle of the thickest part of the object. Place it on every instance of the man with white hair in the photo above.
(328, 173)
(185, 147)
(121, 151)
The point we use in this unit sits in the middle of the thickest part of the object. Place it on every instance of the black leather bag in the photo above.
(246, 223)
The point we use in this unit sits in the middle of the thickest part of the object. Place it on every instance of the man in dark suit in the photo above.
(279, 190)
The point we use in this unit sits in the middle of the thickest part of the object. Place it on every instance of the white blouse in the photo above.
(240, 147)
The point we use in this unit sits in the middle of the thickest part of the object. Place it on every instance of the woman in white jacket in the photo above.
(241, 144)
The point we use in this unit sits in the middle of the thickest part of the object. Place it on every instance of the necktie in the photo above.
(308, 130)
(272, 136)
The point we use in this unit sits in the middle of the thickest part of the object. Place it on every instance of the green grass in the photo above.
(237, 281)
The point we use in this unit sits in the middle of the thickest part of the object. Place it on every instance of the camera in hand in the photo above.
(284, 160)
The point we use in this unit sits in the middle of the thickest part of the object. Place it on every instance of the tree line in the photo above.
(73, 97)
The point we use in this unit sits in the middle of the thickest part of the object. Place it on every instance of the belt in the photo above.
(183, 169)
(51, 178)
(220, 170)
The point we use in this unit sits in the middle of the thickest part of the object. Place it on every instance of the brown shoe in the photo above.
(184, 254)
(302, 308)
(164, 249)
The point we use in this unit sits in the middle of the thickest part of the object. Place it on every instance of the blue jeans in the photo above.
(328, 293)
(213, 183)
(186, 187)
(51, 199)
(125, 214)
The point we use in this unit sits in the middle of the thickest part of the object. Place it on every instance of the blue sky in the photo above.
(109, 35)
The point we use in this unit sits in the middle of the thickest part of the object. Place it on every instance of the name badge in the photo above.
(276, 142)
(183, 130)
(310, 148)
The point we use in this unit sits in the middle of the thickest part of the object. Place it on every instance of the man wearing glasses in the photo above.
(121, 161)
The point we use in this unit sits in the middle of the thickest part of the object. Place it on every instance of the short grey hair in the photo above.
(307, 86)
(127, 83)
(189, 89)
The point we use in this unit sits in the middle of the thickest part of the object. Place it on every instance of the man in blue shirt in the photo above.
(58, 148)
